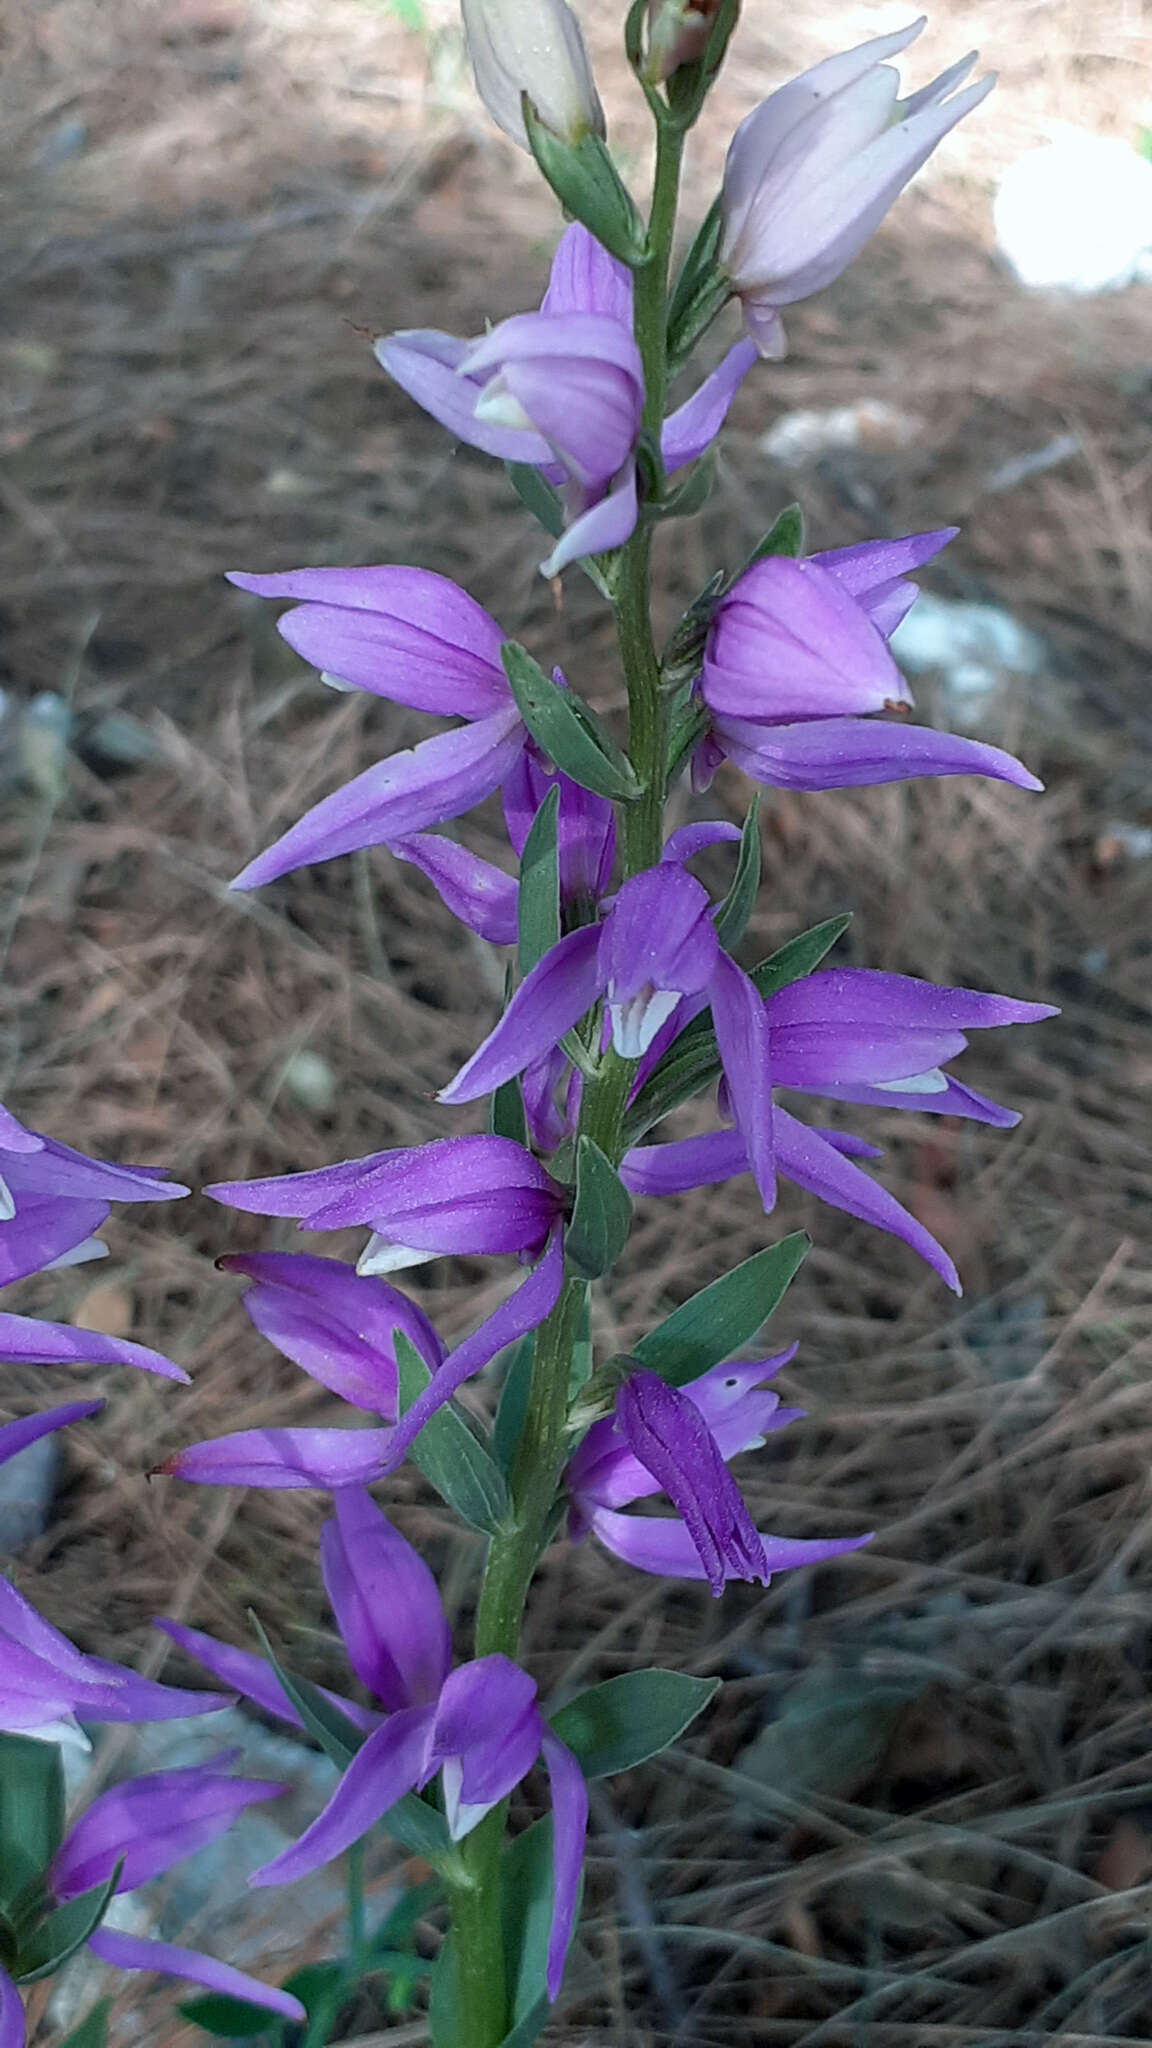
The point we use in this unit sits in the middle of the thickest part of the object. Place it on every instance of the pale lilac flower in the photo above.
(417, 639)
(478, 1726)
(854, 1036)
(679, 1443)
(563, 390)
(533, 47)
(146, 1826)
(796, 667)
(814, 169)
(341, 1327)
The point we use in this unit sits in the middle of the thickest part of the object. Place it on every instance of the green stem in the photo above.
(481, 2002)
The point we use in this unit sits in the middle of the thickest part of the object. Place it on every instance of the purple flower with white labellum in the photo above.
(341, 1327)
(656, 946)
(52, 1201)
(585, 829)
(419, 640)
(145, 1826)
(478, 1726)
(814, 169)
(797, 666)
(563, 390)
(660, 1439)
(855, 1036)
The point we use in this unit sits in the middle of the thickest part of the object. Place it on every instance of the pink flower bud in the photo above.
(678, 32)
(533, 47)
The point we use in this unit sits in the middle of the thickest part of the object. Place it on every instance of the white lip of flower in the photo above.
(933, 1082)
(7, 1205)
(381, 1255)
(66, 1731)
(460, 1816)
(336, 682)
(498, 408)
(80, 1254)
(636, 1022)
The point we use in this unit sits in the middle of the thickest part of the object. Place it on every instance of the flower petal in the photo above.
(548, 1002)
(806, 1158)
(16, 1436)
(386, 1604)
(586, 279)
(132, 1952)
(744, 1039)
(694, 426)
(666, 1549)
(284, 1459)
(425, 364)
(25, 1340)
(481, 895)
(426, 785)
(334, 1324)
(12, 2034)
(852, 753)
(149, 1823)
(391, 1762)
(254, 1677)
(569, 1826)
(606, 525)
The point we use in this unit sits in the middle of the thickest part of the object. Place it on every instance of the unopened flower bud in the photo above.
(678, 32)
(533, 47)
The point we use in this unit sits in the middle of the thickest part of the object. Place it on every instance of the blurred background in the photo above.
(922, 1811)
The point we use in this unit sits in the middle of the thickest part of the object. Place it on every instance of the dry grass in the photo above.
(186, 391)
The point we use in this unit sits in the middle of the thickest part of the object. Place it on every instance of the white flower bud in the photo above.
(533, 47)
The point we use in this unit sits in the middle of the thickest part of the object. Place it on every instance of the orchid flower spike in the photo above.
(679, 1442)
(477, 1726)
(814, 169)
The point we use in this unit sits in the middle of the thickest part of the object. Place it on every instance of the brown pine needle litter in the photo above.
(944, 1839)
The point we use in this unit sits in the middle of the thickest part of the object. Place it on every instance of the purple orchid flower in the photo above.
(563, 389)
(147, 1825)
(52, 1201)
(679, 1442)
(814, 169)
(478, 1726)
(855, 1036)
(340, 1327)
(656, 946)
(797, 665)
(415, 638)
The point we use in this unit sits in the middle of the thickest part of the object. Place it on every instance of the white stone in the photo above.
(1077, 214)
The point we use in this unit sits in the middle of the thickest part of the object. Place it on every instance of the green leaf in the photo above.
(589, 187)
(538, 902)
(701, 289)
(601, 1215)
(59, 1936)
(570, 734)
(418, 1826)
(723, 1317)
(800, 956)
(785, 536)
(684, 498)
(506, 1113)
(692, 1061)
(513, 1403)
(230, 2019)
(536, 493)
(93, 2030)
(337, 1736)
(526, 1898)
(626, 1720)
(31, 1811)
(731, 919)
(453, 1460)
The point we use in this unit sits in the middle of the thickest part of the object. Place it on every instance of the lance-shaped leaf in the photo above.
(58, 1937)
(731, 920)
(506, 1117)
(715, 1323)
(93, 2029)
(589, 187)
(701, 289)
(513, 1404)
(692, 1061)
(601, 1215)
(631, 1718)
(229, 2019)
(538, 904)
(570, 734)
(785, 536)
(31, 1811)
(452, 1460)
(537, 496)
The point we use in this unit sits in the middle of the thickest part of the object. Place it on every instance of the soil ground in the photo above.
(206, 205)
